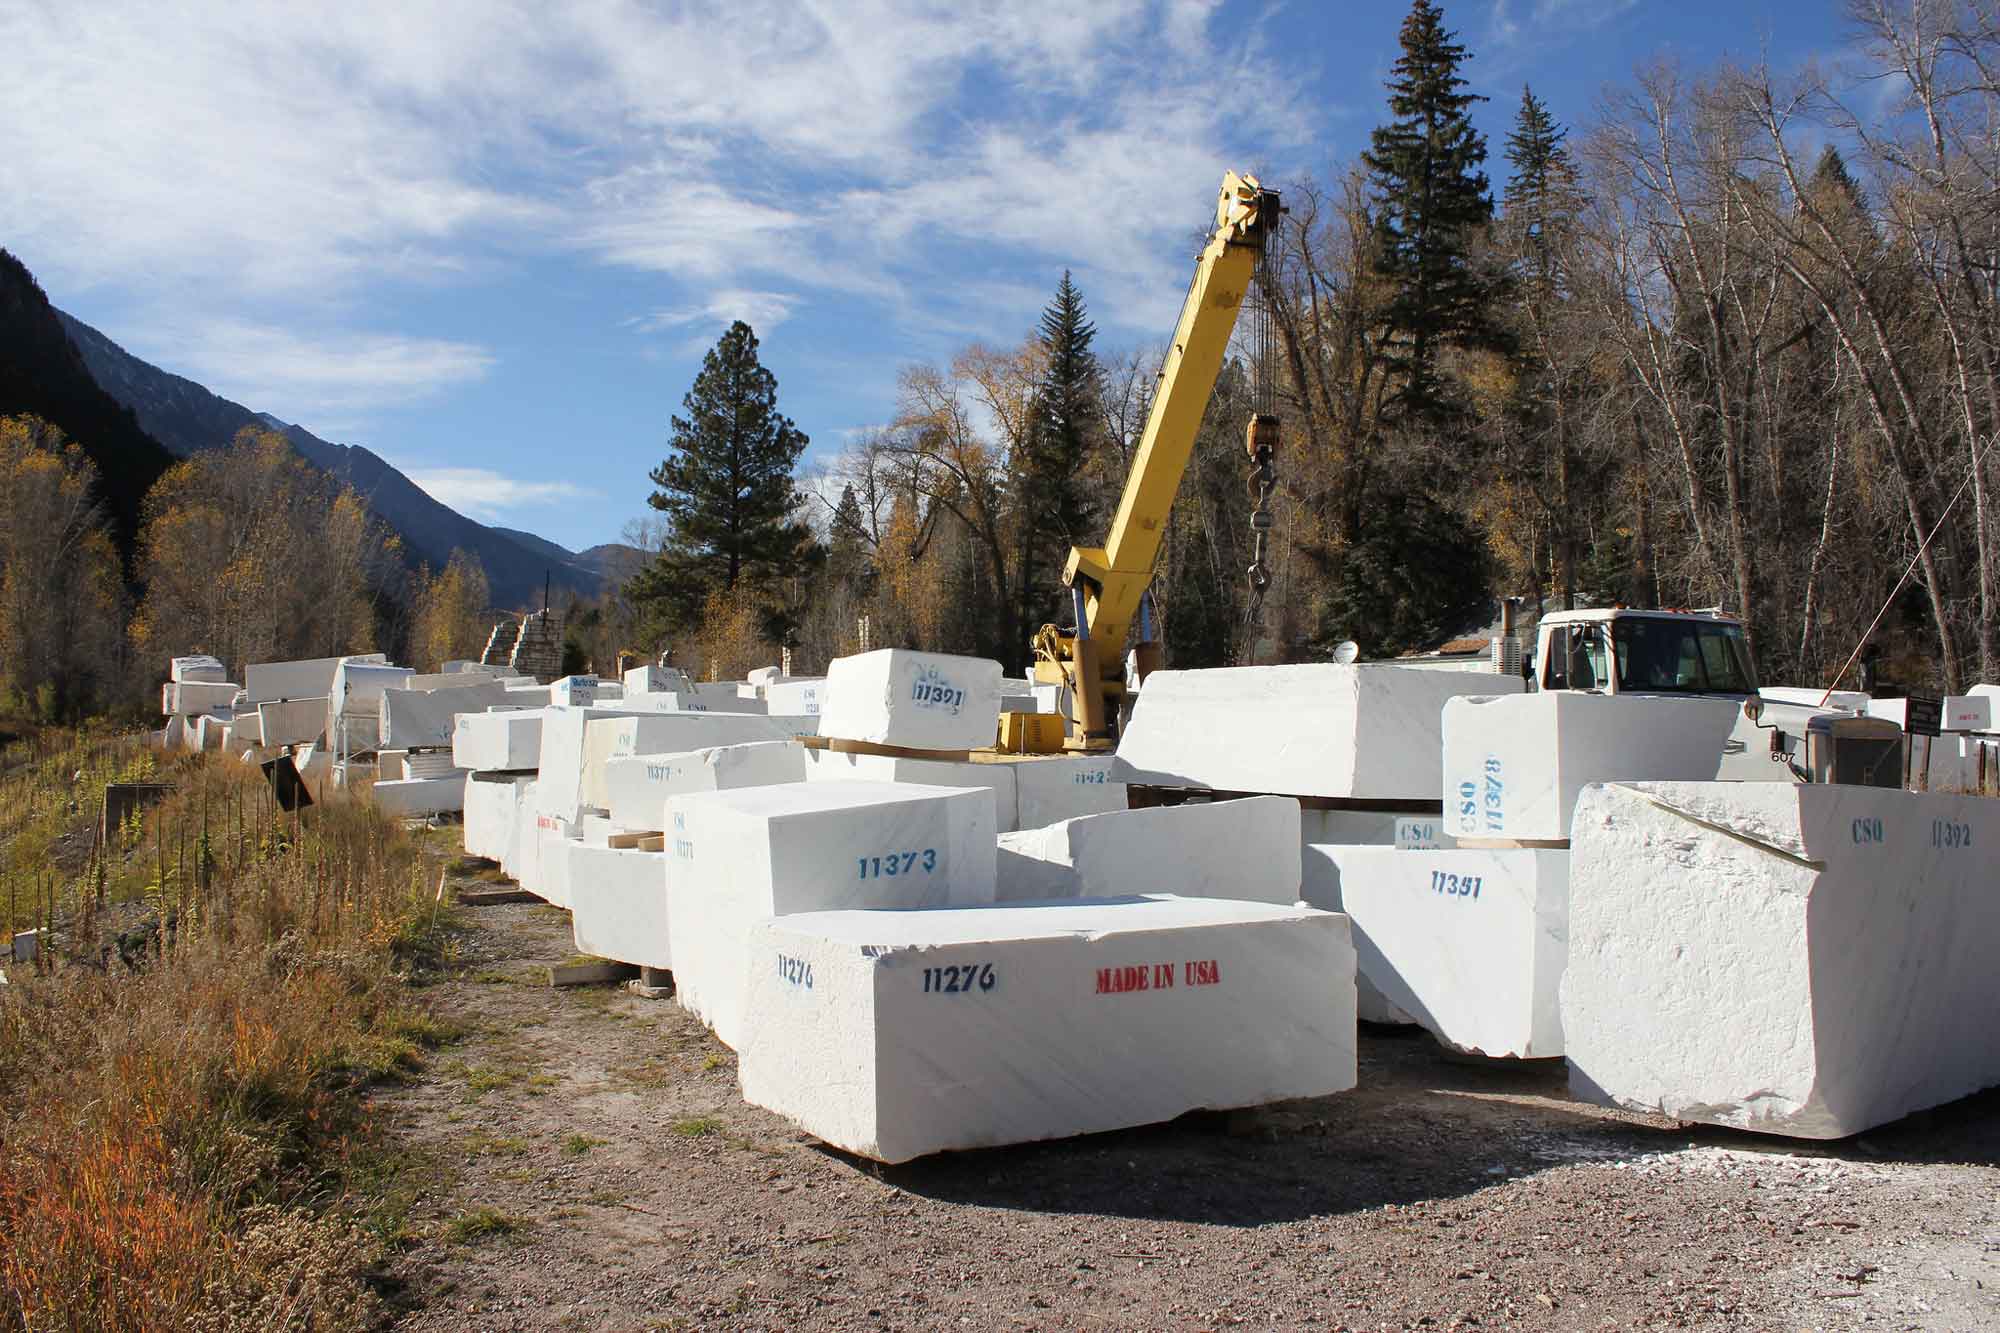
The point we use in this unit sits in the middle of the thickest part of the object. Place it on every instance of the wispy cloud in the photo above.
(765, 145)
(310, 375)
(487, 495)
(762, 311)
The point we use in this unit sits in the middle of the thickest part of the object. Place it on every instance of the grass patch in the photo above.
(698, 1126)
(482, 1223)
(486, 1145)
(576, 1145)
(187, 1146)
(713, 1061)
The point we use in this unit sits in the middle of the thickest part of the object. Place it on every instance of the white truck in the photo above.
(1810, 735)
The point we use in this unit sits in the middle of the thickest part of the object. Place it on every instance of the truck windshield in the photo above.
(1658, 656)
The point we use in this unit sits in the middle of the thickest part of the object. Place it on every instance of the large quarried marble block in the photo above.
(424, 719)
(618, 904)
(311, 678)
(919, 701)
(655, 680)
(498, 742)
(1345, 732)
(199, 669)
(1514, 764)
(194, 698)
(492, 808)
(606, 739)
(1246, 849)
(794, 698)
(292, 721)
(836, 766)
(1064, 787)
(636, 787)
(1469, 942)
(1810, 961)
(739, 856)
(898, 1034)
(410, 797)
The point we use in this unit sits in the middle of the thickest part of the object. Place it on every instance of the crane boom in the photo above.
(1108, 582)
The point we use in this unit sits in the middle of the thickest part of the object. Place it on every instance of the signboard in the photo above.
(1923, 714)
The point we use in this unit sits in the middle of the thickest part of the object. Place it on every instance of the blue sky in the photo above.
(491, 241)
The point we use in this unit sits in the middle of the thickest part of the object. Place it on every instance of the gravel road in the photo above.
(590, 1166)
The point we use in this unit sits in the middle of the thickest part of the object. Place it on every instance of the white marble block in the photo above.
(193, 698)
(655, 680)
(515, 859)
(199, 669)
(425, 719)
(1810, 961)
(1469, 942)
(311, 678)
(492, 805)
(354, 702)
(1246, 849)
(606, 739)
(1063, 787)
(574, 691)
(1346, 732)
(922, 701)
(794, 698)
(292, 722)
(636, 787)
(835, 766)
(618, 904)
(554, 865)
(898, 1034)
(498, 742)
(1514, 764)
(738, 856)
(411, 797)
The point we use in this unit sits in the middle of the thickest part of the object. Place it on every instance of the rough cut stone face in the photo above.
(618, 904)
(898, 1034)
(834, 766)
(1801, 960)
(409, 797)
(637, 786)
(1469, 942)
(1063, 787)
(1247, 849)
(415, 719)
(662, 733)
(921, 701)
(500, 742)
(1359, 732)
(200, 669)
(738, 856)
(1514, 764)
(492, 807)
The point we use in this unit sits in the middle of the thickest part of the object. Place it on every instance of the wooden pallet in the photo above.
(839, 746)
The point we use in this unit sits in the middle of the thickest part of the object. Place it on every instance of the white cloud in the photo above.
(762, 311)
(267, 154)
(303, 377)
(486, 495)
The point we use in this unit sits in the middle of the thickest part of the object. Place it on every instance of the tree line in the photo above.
(1735, 342)
(247, 553)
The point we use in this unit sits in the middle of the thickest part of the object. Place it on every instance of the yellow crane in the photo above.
(1108, 584)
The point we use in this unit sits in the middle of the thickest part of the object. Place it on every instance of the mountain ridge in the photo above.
(186, 416)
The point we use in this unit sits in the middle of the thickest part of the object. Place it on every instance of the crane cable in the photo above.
(1261, 443)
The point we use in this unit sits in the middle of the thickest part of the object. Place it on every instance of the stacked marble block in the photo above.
(417, 773)
(500, 750)
(1809, 961)
(194, 692)
(1469, 940)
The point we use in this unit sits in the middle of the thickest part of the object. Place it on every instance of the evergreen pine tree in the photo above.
(727, 488)
(1542, 197)
(1431, 201)
(1055, 501)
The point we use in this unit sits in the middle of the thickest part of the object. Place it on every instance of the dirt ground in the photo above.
(591, 1166)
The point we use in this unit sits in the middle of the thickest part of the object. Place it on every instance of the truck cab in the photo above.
(1621, 651)
(1778, 735)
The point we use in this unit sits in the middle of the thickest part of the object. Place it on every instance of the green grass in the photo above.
(482, 1223)
(576, 1145)
(698, 1126)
